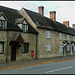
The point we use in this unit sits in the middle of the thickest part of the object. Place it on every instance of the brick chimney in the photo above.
(41, 10)
(53, 15)
(73, 26)
(66, 23)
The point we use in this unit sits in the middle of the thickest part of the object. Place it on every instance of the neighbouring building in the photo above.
(29, 31)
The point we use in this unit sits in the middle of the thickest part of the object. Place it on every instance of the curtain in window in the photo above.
(1, 48)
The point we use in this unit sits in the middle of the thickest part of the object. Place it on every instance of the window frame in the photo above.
(68, 47)
(60, 36)
(25, 27)
(73, 38)
(24, 46)
(3, 47)
(48, 34)
(1, 24)
(48, 47)
(74, 48)
(68, 37)
(61, 48)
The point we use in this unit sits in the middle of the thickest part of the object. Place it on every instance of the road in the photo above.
(63, 67)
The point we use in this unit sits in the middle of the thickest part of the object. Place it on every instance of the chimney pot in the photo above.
(66, 23)
(53, 15)
(73, 26)
(41, 10)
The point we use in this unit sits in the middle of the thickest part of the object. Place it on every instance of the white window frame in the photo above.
(60, 36)
(73, 38)
(48, 34)
(68, 47)
(61, 47)
(68, 37)
(74, 48)
(48, 47)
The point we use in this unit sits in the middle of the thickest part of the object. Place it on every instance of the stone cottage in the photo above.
(24, 31)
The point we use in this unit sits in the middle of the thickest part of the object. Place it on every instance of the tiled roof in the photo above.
(14, 17)
(44, 22)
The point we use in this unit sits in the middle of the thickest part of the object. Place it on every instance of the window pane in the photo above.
(48, 47)
(1, 48)
(23, 50)
(48, 35)
(23, 27)
(67, 37)
(3, 24)
(60, 48)
(60, 36)
(73, 48)
(68, 47)
(74, 38)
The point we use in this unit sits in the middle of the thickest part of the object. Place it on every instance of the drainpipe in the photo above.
(36, 45)
(7, 47)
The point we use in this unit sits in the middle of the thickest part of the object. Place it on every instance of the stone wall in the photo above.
(55, 44)
(28, 38)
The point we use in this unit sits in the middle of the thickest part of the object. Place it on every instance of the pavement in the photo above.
(23, 63)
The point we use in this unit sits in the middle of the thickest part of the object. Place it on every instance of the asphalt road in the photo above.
(63, 67)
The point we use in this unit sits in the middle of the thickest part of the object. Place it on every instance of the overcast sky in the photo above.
(65, 10)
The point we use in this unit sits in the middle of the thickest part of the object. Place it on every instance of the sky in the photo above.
(65, 10)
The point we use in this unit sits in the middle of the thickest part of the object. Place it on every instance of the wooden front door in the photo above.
(13, 53)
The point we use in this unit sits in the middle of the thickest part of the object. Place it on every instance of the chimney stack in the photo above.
(53, 15)
(66, 23)
(73, 26)
(41, 10)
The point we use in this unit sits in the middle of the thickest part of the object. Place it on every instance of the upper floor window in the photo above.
(60, 36)
(74, 38)
(25, 27)
(48, 34)
(67, 37)
(2, 24)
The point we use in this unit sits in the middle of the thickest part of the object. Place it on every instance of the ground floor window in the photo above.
(73, 48)
(48, 47)
(68, 47)
(1, 48)
(25, 48)
(60, 47)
